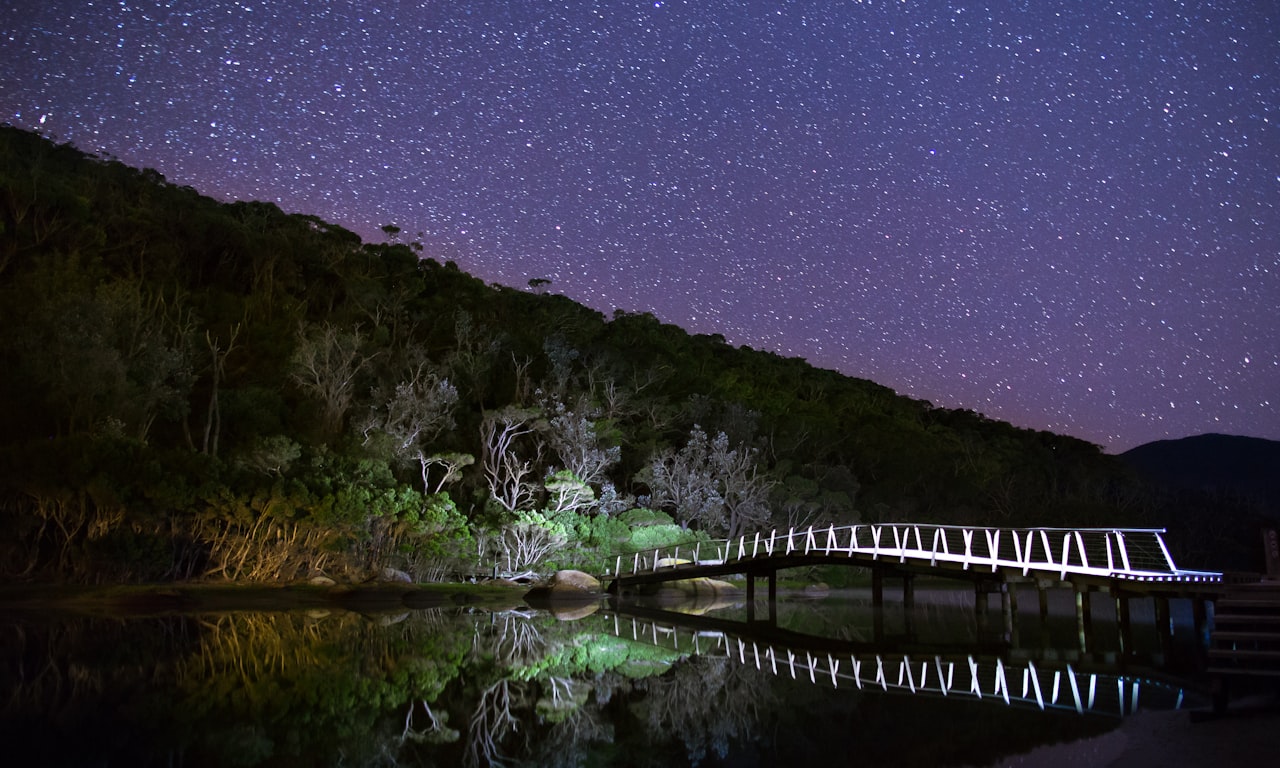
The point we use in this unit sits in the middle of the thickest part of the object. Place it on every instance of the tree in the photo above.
(474, 357)
(574, 439)
(529, 538)
(710, 484)
(325, 365)
(566, 493)
(414, 415)
(505, 472)
(113, 357)
(453, 464)
(681, 481)
(217, 369)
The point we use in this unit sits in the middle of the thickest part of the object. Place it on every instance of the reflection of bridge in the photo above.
(962, 674)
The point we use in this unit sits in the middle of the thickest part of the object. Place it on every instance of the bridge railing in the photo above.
(1123, 553)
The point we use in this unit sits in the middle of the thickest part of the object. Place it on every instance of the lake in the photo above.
(824, 677)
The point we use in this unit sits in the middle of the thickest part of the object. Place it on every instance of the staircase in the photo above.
(1246, 634)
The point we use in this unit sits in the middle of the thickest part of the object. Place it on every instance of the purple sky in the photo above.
(1060, 214)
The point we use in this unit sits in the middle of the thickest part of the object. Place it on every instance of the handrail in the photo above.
(1134, 554)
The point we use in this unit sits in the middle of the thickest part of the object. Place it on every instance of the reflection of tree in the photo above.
(568, 742)
(706, 703)
(284, 688)
(491, 722)
(317, 687)
(436, 730)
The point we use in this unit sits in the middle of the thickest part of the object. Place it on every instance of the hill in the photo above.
(196, 388)
(1213, 464)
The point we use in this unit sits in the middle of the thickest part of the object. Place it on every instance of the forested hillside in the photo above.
(195, 389)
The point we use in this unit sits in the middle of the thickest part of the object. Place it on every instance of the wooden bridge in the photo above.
(1135, 558)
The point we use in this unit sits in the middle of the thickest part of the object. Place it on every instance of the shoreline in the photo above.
(186, 598)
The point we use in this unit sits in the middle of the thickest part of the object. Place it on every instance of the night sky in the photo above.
(1061, 214)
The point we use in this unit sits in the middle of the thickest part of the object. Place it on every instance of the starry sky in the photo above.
(1061, 214)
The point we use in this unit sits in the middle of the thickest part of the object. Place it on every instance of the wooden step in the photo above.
(1259, 618)
(1249, 671)
(1244, 654)
(1271, 637)
(1249, 603)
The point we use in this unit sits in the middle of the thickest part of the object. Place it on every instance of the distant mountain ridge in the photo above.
(1213, 463)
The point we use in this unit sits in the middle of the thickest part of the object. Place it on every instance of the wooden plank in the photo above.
(1243, 671)
(1246, 635)
(1243, 654)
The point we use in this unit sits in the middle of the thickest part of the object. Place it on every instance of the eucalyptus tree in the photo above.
(413, 413)
(575, 439)
(325, 365)
(710, 484)
(509, 465)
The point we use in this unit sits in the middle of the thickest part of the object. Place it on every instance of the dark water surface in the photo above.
(828, 680)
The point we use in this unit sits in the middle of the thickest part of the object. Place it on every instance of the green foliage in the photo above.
(660, 536)
(641, 516)
(591, 654)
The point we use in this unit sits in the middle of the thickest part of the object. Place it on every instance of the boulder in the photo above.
(817, 590)
(573, 610)
(699, 587)
(565, 586)
(394, 576)
(695, 596)
(321, 581)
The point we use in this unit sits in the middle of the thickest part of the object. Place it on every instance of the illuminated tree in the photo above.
(709, 484)
(414, 415)
(505, 472)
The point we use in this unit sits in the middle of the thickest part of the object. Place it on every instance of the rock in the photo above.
(695, 596)
(574, 610)
(671, 562)
(321, 581)
(392, 575)
(700, 587)
(817, 590)
(565, 586)
(574, 582)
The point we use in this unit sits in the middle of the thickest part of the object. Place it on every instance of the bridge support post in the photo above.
(980, 601)
(751, 597)
(1164, 624)
(1123, 625)
(1084, 617)
(1008, 610)
(877, 604)
(773, 596)
(1011, 622)
(909, 603)
(1042, 592)
(1200, 619)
